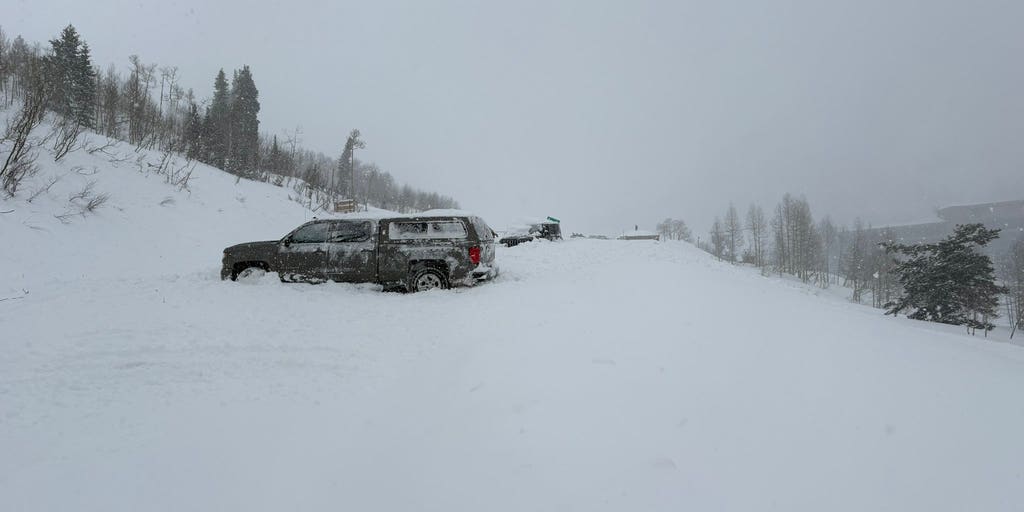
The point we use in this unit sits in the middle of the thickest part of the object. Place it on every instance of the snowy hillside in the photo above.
(592, 375)
(146, 227)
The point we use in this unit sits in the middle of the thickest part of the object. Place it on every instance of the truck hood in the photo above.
(252, 247)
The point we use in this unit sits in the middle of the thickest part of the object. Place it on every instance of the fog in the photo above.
(609, 115)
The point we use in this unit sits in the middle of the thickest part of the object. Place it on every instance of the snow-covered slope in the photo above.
(593, 375)
(146, 227)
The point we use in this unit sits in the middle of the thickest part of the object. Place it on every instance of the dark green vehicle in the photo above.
(411, 252)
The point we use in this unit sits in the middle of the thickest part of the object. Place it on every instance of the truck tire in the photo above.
(427, 279)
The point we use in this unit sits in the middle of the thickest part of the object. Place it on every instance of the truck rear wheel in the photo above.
(427, 279)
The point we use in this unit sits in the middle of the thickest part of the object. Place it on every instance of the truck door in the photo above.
(351, 251)
(303, 253)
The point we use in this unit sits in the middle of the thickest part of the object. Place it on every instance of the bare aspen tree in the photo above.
(674, 229)
(20, 161)
(718, 239)
(855, 265)
(807, 242)
(829, 237)
(758, 228)
(797, 243)
(134, 99)
(733, 234)
(782, 243)
(681, 231)
(108, 102)
(4, 67)
(168, 80)
(664, 229)
(1012, 275)
(880, 269)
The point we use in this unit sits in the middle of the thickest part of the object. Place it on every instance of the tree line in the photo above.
(149, 108)
(952, 281)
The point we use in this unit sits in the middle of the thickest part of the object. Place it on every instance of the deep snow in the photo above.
(592, 375)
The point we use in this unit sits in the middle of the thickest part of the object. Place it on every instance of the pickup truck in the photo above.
(416, 252)
(548, 230)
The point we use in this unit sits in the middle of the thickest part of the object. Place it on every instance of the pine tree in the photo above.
(193, 136)
(950, 281)
(84, 87)
(60, 69)
(217, 128)
(274, 158)
(245, 124)
(69, 69)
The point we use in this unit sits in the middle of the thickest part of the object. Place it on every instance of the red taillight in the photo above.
(474, 255)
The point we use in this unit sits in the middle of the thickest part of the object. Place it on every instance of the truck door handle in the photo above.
(319, 251)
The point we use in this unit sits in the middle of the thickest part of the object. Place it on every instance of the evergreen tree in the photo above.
(193, 131)
(60, 69)
(217, 127)
(950, 281)
(69, 69)
(274, 163)
(245, 125)
(84, 87)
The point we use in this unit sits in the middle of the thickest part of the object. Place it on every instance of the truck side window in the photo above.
(437, 230)
(407, 230)
(348, 231)
(311, 234)
(447, 229)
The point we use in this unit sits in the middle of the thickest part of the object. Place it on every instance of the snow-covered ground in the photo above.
(592, 375)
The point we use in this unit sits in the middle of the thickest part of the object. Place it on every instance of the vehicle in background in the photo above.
(417, 252)
(548, 229)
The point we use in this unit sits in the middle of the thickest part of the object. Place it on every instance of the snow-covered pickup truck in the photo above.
(413, 252)
(549, 229)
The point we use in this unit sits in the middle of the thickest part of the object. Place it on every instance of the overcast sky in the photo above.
(610, 114)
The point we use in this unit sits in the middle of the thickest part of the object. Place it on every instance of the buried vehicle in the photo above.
(415, 252)
(548, 229)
